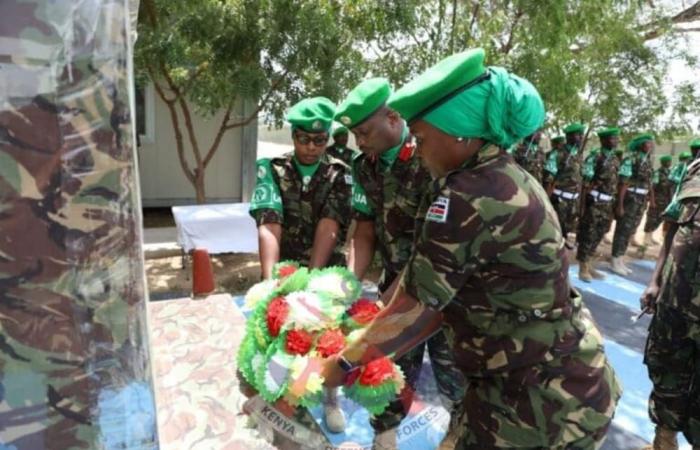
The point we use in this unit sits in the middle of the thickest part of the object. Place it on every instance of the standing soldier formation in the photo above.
(634, 189)
(663, 189)
(530, 155)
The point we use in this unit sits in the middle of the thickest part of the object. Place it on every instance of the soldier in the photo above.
(673, 345)
(491, 270)
(663, 192)
(563, 179)
(600, 172)
(695, 148)
(678, 171)
(530, 155)
(634, 185)
(300, 205)
(389, 183)
(340, 149)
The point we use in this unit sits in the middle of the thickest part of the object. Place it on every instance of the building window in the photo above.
(145, 113)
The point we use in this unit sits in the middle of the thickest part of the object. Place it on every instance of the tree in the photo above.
(596, 61)
(210, 55)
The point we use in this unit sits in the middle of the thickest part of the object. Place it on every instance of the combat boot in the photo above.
(584, 271)
(618, 266)
(594, 273)
(332, 414)
(386, 440)
(664, 439)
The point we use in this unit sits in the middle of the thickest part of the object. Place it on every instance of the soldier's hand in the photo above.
(332, 373)
(648, 299)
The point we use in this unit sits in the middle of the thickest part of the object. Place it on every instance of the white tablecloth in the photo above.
(221, 228)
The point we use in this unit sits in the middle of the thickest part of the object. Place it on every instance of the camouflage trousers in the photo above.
(625, 227)
(567, 212)
(654, 216)
(672, 357)
(450, 381)
(594, 224)
(525, 410)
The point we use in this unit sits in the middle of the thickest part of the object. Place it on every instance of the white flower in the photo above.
(308, 311)
(258, 292)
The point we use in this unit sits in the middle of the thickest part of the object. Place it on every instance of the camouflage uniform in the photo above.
(636, 171)
(673, 345)
(345, 154)
(663, 192)
(327, 195)
(74, 353)
(563, 169)
(600, 171)
(393, 197)
(490, 255)
(531, 158)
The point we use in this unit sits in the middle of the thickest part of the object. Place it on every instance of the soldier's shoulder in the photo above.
(336, 164)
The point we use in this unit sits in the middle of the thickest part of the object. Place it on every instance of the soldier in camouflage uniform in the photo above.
(663, 192)
(491, 270)
(600, 174)
(678, 171)
(563, 178)
(673, 345)
(634, 185)
(530, 155)
(300, 205)
(389, 183)
(339, 149)
(74, 356)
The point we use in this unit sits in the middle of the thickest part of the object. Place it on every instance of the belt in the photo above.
(600, 196)
(640, 191)
(566, 195)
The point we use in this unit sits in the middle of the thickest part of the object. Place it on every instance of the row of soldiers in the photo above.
(608, 184)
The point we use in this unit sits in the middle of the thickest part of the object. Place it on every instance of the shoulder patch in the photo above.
(348, 179)
(438, 210)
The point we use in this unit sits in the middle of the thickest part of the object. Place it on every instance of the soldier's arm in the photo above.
(334, 214)
(651, 293)
(361, 247)
(269, 237)
(325, 240)
(621, 192)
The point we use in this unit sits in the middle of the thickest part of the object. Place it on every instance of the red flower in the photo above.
(363, 311)
(377, 372)
(286, 271)
(330, 343)
(277, 312)
(406, 151)
(298, 342)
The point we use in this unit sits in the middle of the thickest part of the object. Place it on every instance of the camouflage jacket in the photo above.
(326, 196)
(680, 287)
(636, 170)
(563, 167)
(530, 158)
(392, 198)
(345, 154)
(677, 172)
(490, 255)
(600, 171)
(663, 186)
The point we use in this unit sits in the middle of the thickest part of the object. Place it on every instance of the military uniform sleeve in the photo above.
(452, 245)
(266, 204)
(626, 170)
(338, 203)
(361, 209)
(263, 216)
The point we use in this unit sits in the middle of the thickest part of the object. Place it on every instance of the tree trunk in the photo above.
(199, 186)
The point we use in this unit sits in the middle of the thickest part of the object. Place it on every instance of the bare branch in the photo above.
(505, 49)
(219, 134)
(261, 105)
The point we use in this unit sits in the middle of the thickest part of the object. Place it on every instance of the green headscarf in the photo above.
(502, 110)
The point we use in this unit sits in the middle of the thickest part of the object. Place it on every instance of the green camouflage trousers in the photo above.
(625, 227)
(594, 224)
(654, 216)
(450, 381)
(672, 357)
(567, 212)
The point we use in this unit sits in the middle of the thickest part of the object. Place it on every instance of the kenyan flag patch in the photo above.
(438, 210)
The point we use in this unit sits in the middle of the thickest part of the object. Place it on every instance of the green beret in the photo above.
(438, 84)
(363, 101)
(666, 158)
(313, 115)
(610, 131)
(684, 155)
(639, 140)
(558, 139)
(338, 129)
(574, 128)
(695, 143)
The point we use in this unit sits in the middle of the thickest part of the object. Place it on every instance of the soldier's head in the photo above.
(340, 135)
(609, 137)
(695, 148)
(666, 161)
(558, 142)
(684, 157)
(458, 106)
(643, 143)
(311, 121)
(574, 133)
(376, 128)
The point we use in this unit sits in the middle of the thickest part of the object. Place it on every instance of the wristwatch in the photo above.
(346, 365)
